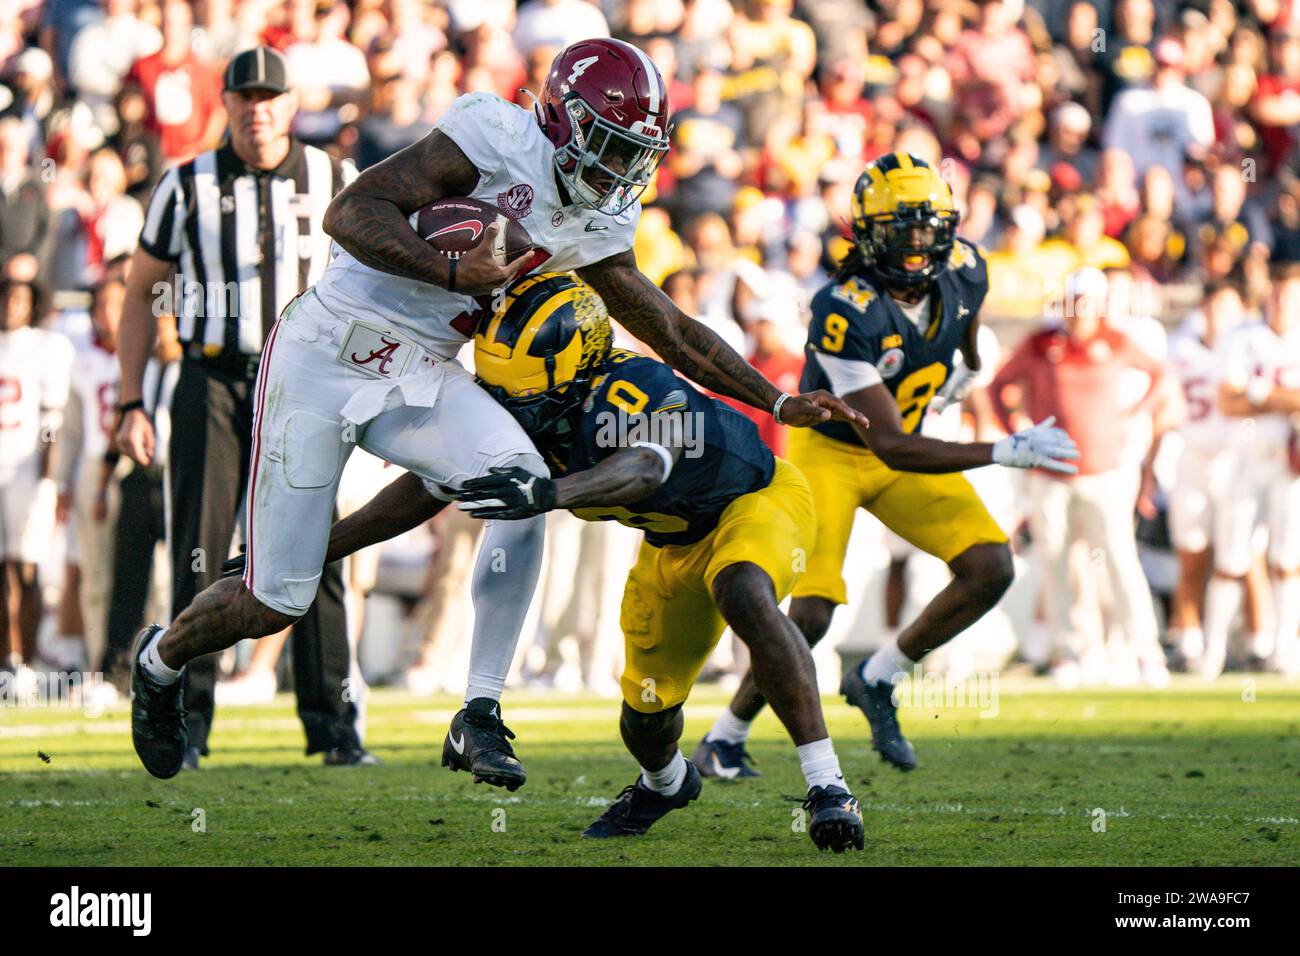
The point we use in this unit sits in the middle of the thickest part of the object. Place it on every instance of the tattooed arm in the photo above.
(696, 350)
(369, 217)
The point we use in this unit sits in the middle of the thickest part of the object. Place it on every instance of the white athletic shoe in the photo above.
(422, 681)
(1192, 643)
(1262, 644)
(1155, 673)
(99, 697)
(1211, 664)
(249, 690)
(26, 686)
(1068, 675)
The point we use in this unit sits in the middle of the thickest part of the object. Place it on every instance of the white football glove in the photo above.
(1042, 446)
(960, 384)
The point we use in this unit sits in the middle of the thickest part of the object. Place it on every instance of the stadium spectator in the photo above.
(24, 212)
(102, 53)
(102, 225)
(705, 161)
(1071, 372)
(1067, 142)
(396, 120)
(182, 93)
(1276, 106)
(556, 23)
(1156, 123)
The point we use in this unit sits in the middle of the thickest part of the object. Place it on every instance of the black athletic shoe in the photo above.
(638, 807)
(350, 757)
(157, 715)
(836, 822)
(877, 702)
(724, 760)
(479, 742)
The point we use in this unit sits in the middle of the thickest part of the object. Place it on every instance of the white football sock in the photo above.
(887, 664)
(1286, 598)
(1191, 641)
(153, 665)
(729, 728)
(668, 780)
(820, 766)
(505, 576)
(1222, 601)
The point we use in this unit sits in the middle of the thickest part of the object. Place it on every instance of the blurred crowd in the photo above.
(1128, 154)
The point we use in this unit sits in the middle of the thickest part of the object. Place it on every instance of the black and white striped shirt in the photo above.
(245, 241)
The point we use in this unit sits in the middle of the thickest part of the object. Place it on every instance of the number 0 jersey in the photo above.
(723, 456)
(860, 336)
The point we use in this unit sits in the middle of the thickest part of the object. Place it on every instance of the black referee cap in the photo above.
(261, 68)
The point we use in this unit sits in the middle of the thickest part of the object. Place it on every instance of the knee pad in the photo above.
(533, 464)
(638, 723)
(528, 462)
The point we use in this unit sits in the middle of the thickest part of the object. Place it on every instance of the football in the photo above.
(455, 226)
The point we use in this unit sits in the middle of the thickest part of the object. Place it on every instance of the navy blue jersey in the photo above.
(855, 320)
(723, 456)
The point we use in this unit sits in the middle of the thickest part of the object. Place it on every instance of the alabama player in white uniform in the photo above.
(34, 366)
(85, 478)
(1201, 487)
(366, 358)
(1260, 383)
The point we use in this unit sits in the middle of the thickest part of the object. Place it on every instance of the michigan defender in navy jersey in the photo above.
(894, 328)
(725, 524)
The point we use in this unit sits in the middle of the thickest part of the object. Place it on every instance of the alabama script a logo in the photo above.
(383, 355)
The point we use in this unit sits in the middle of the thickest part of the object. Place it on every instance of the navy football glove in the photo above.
(507, 493)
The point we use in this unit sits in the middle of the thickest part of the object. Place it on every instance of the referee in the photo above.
(230, 237)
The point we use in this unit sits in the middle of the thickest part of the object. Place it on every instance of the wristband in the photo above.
(659, 450)
(451, 274)
(130, 406)
(776, 409)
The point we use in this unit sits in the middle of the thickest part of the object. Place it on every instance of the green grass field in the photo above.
(1186, 776)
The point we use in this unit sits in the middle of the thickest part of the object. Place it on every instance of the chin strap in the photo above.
(537, 106)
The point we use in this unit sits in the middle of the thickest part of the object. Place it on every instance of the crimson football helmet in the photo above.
(605, 109)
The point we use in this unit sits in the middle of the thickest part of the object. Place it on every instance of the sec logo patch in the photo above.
(890, 364)
(517, 201)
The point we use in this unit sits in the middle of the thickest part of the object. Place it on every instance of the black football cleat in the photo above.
(724, 760)
(350, 757)
(836, 819)
(877, 702)
(157, 715)
(638, 807)
(479, 742)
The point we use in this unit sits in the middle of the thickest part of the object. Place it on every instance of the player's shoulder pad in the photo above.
(632, 381)
(480, 104)
(484, 121)
(856, 299)
(968, 264)
(857, 293)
